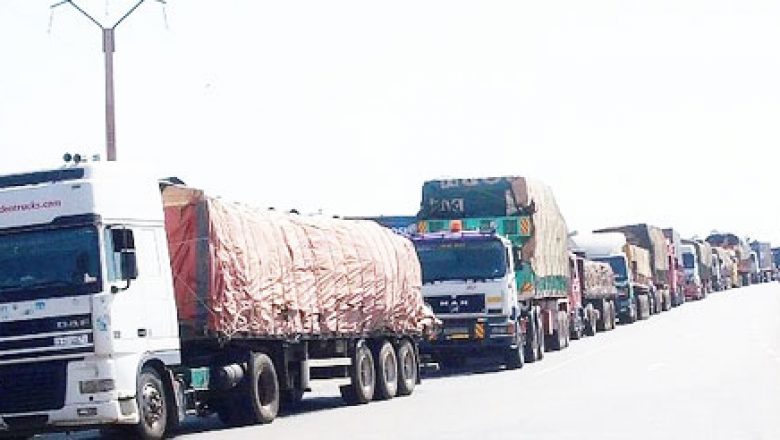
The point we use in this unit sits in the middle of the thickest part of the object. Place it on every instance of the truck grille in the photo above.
(29, 387)
(37, 339)
(454, 304)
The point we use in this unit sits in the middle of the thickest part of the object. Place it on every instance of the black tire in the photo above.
(263, 389)
(577, 331)
(531, 343)
(151, 399)
(407, 368)
(540, 346)
(386, 372)
(612, 316)
(557, 341)
(363, 376)
(515, 357)
(602, 324)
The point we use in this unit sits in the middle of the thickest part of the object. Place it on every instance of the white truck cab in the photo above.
(78, 316)
(693, 282)
(469, 283)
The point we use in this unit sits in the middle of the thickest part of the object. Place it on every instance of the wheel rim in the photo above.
(366, 371)
(407, 364)
(264, 384)
(153, 405)
(390, 368)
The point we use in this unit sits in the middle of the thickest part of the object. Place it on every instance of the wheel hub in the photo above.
(153, 404)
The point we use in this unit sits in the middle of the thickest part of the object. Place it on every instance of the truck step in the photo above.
(330, 362)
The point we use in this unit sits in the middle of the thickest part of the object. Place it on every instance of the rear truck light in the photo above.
(87, 412)
(510, 328)
(96, 386)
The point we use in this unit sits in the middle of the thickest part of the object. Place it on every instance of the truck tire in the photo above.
(557, 341)
(534, 346)
(152, 407)
(386, 372)
(515, 357)
(407, 368)
(612, 316)
(363, 376)
(263, 388)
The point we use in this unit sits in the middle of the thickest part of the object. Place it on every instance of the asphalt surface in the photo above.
(706, 370)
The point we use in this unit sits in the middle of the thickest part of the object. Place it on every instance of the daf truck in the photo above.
(125, 306)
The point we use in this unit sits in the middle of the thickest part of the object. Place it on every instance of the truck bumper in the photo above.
(492, 347)
(71, 417)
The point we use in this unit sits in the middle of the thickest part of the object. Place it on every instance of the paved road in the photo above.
(707, 370)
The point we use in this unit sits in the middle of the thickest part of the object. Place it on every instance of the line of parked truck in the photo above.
(132, 303)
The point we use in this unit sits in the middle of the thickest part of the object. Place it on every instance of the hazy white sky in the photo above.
(658, 111)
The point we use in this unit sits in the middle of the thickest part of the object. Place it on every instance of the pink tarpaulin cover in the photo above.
(241, 271)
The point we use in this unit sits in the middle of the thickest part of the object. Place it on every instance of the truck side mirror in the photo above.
(124, 245)
(123, 240)
(129, 265)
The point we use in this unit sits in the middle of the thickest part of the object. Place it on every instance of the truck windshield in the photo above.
(688, 261)
(618, 265)
(49, 263)
(457, 260)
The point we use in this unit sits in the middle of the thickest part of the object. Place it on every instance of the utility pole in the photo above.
(108, 52)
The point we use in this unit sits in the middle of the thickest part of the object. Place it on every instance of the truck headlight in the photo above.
(96, 386)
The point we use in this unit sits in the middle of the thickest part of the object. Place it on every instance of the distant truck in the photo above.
(631, 267)
(594, 293)
(676, 270)
(694, 287)
(652, 239)
(496, 268)
(401, 224)
(765, 261)
(122, 306)
(728, 270)
(741, 252)
(703, 256)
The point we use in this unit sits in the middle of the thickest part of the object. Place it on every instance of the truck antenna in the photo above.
(108, 51)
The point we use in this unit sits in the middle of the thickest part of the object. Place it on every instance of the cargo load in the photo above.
(599, 280)
(652, 239)
(732, 242)
(244, 272)
(528, 205)
(639, 258)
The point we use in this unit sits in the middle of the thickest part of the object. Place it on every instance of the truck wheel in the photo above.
(540, 345)
(529, 347)
(407, 368)
(515, 357)
(363, 376)
(151, 400)
(263, 389)
(386, 372)
(612, 317)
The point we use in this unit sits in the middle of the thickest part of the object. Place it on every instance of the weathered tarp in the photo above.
(599, 280)
(239, 271)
